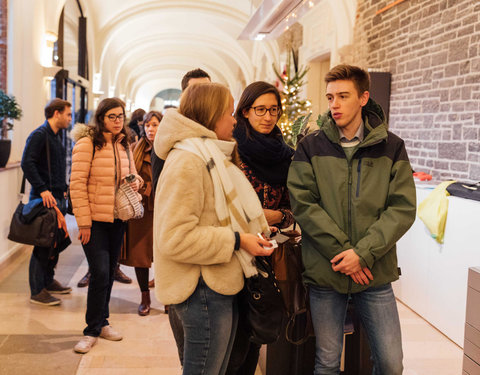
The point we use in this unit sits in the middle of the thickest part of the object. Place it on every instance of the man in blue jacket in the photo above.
(48, 183)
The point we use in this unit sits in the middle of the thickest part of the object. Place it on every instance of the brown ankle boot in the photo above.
(144, 307)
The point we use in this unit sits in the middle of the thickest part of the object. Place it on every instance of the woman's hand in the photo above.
(273, 216)
(254, 244)
(84, 235)
(135, 185)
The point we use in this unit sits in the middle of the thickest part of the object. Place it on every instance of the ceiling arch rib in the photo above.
(158, 66)
(148, 78)
(170, 10)
(181, 45)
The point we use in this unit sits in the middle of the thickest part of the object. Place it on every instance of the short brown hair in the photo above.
(195, 73)
(56, 104)
(151, 115)
(359, 77)
(205, 104)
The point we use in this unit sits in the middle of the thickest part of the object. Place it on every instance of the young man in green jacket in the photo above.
(352, 193)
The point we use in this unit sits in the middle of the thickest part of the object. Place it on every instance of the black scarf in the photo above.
(267, 155)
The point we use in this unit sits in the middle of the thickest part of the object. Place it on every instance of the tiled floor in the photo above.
(39, 340)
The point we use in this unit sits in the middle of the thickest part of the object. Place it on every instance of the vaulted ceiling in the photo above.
(140, 47)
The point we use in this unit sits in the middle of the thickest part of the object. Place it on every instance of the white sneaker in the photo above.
(85, 344)
(108, 333)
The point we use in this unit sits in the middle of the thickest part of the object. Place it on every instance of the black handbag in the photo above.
(38, 228)
(34, 224)
(261, 303)
(288, 267)
(465, 190)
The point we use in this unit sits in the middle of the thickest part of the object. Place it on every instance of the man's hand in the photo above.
(254, 245)
(272, 216)
(346, 262)
(84, 235)
(362, 277)
(48, 199)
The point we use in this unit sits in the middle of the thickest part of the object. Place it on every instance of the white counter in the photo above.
(434, 276)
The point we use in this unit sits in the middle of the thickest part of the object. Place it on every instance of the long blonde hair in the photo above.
(205, 103)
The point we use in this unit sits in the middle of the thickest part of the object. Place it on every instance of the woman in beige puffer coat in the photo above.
(100, 161)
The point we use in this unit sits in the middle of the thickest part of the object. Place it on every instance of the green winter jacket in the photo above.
(366, 203)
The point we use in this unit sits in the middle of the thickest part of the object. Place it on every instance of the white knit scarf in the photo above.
(236, 203)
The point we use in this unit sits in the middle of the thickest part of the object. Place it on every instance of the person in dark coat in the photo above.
(265, 159)
(48, 183)
(137, 249)
(135, 125)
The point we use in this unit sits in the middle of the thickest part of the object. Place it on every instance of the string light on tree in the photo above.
(292, 79)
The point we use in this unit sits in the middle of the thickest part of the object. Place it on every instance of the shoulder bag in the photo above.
(128, 203)
(33, 223)
(288, 267)
(262, 304)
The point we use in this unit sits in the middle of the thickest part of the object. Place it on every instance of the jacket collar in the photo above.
(49, 129)
(108, 137)
(375, 129)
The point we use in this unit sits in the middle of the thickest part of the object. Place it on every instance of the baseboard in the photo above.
(13, 257)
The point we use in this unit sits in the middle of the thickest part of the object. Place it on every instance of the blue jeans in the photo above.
(378, 313)
(209, 321)
(102, 252)
(41, 269)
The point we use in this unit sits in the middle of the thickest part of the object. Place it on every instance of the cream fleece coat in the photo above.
(92, 182)
(188, 239)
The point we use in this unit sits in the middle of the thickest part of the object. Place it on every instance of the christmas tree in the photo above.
(294, 108)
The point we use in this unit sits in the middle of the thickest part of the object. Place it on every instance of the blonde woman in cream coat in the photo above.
(100, 161)
(196, 265)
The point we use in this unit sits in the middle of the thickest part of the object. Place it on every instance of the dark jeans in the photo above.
(102, 252)
(244, 356)
(377, 310)
(177, 329)
(42, 266)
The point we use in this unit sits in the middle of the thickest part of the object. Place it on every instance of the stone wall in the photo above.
(3, 44)
(432, 49)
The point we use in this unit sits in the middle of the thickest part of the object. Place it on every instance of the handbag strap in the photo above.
(127, 149)
(22, 188)
(47, 145)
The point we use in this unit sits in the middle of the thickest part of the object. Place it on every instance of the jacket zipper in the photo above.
(115, 161)
(359, 169)
(349, 212)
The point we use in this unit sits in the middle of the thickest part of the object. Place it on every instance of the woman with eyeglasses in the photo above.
(137, 250)
(265, 159)
(101, 160)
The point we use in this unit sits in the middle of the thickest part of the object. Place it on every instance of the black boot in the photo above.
(85, 280)
(121, 277)
(144, 307)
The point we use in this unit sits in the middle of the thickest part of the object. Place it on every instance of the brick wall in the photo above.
(432, 49)
(3, 44)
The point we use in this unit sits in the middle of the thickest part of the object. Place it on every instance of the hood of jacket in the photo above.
(80, 131)
(174, 128)
(373, 118)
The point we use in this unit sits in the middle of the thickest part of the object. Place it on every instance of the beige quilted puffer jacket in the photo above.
(93, 182)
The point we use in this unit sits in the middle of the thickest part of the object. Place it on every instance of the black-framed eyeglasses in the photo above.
(261, 110)
(115, 117)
